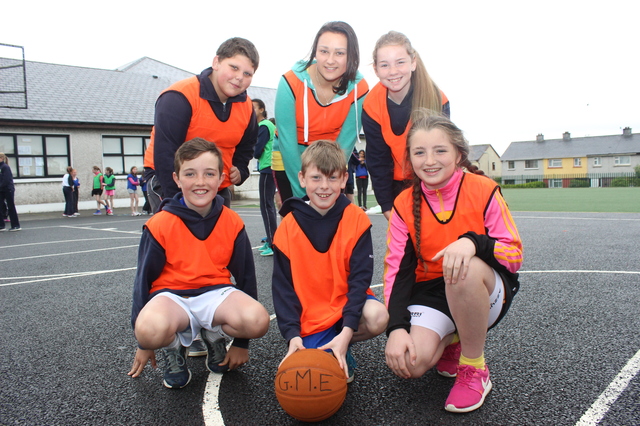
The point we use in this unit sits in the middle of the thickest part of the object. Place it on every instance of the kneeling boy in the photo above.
(188, 253)
(323, 263)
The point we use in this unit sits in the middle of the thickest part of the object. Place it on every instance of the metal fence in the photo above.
(584, 180)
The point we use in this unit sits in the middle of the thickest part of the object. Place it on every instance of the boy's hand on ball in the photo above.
(295, 344)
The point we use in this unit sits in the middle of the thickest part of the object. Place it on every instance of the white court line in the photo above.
(580, 271)
(615, 219)
(66, 253)
(88, 228)
(72, 241)
(61, 276)
(599, 409)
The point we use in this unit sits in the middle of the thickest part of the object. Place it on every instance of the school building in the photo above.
(54, 116)
(592, 161)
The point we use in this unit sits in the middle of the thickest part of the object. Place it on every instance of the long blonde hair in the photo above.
(426, 93)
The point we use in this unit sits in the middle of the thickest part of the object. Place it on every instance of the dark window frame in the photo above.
(14, 158)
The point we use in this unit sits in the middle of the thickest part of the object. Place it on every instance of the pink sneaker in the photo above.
(470, 389)
(447, 366)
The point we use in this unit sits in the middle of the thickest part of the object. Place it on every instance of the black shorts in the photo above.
(432, 294)
(96, 191)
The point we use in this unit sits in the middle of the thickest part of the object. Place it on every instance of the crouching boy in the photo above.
(188, 253)
(323, 263)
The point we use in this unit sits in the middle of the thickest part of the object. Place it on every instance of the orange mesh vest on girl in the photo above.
(204, 124)
(375, 105)
(322, 122)
(192, 263)
(320, 279)
(474, 196)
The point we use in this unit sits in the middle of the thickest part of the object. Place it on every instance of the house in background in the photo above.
(486, 159)
(81, 117)
(594, 160)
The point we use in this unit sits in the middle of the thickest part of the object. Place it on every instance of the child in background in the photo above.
(191, 253)
(109, 188)
(333, 307)
(362, 180)
(76, 191)
(450, 268)
(132, 188)
(96, 192)
(146, 208)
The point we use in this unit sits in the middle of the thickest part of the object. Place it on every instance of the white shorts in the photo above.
(200, 310)
(443, 325)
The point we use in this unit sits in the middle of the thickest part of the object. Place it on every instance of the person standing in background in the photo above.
(76, 191)
(68, 190)
(362, 180)
(267, 185)
(7, 191)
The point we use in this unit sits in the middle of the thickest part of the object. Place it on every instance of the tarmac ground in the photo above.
(568, 351)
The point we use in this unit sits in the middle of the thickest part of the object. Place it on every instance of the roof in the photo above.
(476, 151)
(127, 95)
(574, 147)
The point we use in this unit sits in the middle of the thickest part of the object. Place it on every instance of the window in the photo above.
(555, 183)
(577, 162)
(623, 160)
(36, 155)
(123, 152)
(555, 163)
(511, 165)
(531, 164)
(597, 162)
(509, 181)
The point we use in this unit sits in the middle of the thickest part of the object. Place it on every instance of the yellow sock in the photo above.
(456, 339)
(474, 362)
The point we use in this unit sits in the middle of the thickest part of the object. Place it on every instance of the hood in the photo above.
(199, 226)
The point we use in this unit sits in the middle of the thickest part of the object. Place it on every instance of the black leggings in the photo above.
(362, 184)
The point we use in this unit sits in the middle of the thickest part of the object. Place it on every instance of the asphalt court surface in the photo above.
(567, 352)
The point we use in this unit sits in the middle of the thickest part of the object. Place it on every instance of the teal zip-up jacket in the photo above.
(286, 120)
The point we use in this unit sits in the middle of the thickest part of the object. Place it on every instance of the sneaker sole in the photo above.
(453, 409)
(446, 373)
(167, 385)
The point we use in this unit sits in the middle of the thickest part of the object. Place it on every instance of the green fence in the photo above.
(588, 180)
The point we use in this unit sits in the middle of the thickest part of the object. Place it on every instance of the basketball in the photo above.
(310, 385)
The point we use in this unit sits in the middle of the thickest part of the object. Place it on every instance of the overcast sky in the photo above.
(510, 69)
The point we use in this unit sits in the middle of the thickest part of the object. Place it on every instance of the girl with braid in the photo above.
(451, 263)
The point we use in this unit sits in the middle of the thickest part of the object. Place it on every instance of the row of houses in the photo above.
(596, 160)
(53, 116)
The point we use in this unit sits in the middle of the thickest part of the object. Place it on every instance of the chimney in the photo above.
(566, 136)
(540, 137)
(626, 131)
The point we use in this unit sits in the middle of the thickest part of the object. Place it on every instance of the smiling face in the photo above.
(231, 76)
(331, 56)
(433, 157)
(394, 67)
(322, 190)
(199, 180)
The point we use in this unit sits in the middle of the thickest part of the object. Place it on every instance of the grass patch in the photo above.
(600, 200)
